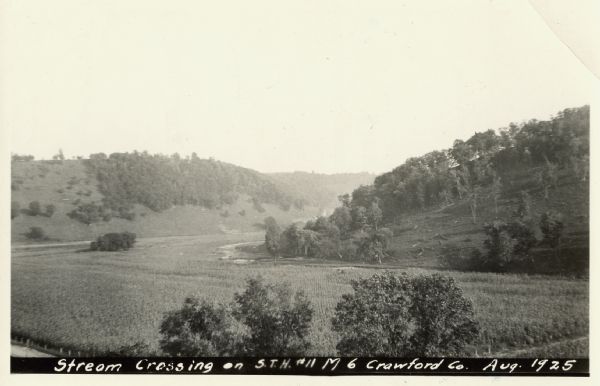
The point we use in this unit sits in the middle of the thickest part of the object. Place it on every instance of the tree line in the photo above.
(160, 182)
(460, 172)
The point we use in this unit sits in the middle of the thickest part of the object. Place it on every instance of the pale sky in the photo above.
(324, 86)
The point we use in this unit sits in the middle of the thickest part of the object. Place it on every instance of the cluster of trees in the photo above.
(351, 232)
(265, 319)
(113, 242)
(403, 316)
(34, 209)
(508, 244)
(440, 177)
(387, 315)
(160, 182)
(89, 213)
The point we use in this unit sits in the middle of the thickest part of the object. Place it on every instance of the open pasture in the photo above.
(98, 301)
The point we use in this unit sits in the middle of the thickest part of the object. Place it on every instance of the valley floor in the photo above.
(99, 301)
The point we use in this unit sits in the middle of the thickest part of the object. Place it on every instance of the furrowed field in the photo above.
(98, 301)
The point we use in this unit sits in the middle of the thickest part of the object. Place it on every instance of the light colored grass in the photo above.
(100, 301)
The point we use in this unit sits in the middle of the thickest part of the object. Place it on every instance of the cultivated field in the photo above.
(97, 301)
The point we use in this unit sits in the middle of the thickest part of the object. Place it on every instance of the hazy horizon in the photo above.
(333, 87)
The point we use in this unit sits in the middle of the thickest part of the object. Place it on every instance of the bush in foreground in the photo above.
(265, 320)
(401, 316)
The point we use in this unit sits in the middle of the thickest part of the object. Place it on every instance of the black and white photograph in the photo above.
(324, 188)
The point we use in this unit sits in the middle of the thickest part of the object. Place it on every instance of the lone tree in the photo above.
(265, 319)
(272, 235)
(400, 315)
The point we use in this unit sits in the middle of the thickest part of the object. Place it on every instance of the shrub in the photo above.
(15, 209)
(114, 242)
(50, 209)
(36, 233)
(88, 213)
(551, 225)
(263, 320)
(35, 208)
(400, 316)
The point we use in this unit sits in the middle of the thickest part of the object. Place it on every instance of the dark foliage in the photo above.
(50, 209)
(278, 322)
(351, 232)
(159, 181)
(113, 242)
(402, 316)
(37, 234)
(507, 246)
(89, 213)
(551, 225)
(440, 176)
(263, 320)
(272, 236)
(199, 328)
(507, 250)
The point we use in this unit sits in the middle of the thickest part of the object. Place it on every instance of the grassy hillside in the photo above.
(483, 204)
(68, 183)
(321, 188)
(419, 237)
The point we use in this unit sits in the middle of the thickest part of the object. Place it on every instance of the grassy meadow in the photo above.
(98, 301)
